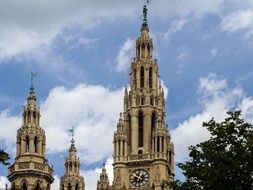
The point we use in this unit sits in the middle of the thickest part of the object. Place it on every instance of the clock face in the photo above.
(139, 177)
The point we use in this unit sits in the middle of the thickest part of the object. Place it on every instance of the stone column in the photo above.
(39, 146)
(31, 145)
(155, 144)
(147, 132)
(116, 150)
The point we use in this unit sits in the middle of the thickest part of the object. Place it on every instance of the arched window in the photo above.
(142, 50)
(151, 101)
(140, 152)
(29, 116)
(70, 166)
(140, 129)
(148, 50)
(36, 144)
(24, 186)
(123, 148)
(27, 143)
(158, 144)
(142, 77)
(153, 121)
(129, 130)
(76, 186)
(69, 186)
(150, 77)
(75, 169)
(13, 186)
(142, 101)
(34, 117)
(37, 186)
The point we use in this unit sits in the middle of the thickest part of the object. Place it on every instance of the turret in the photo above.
(103, 182)
(72, 180)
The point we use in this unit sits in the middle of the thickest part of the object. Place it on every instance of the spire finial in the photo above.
(145, 12)
(33, 75)
(72, 136)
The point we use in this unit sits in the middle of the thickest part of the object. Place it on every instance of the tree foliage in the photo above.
(4, 157)
(225, 161)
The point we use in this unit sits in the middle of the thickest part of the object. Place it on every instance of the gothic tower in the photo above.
(103, 182)
(143, 151)
(31, 170)
(72, 180)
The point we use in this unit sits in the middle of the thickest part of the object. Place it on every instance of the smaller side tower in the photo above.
(103, 182)
(31, 170)
(72, 180)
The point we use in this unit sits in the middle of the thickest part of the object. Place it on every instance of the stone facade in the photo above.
(31, 170)
(143, 151)
(72, 180)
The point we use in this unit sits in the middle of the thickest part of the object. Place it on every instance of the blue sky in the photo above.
(82, 52)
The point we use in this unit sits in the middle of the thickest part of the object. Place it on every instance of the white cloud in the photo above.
(29, 25)
(8, 128)
(165, 89)
(126, 52)
(216, 98)
(237, 20)
(92, 110)
(3, 182)
(246, 107)
(241, 20)
(175, 27)
(56, 184)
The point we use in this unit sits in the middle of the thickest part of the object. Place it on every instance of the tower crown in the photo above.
(72, 178)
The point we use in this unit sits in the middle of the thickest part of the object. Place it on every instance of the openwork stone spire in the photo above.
(103, 182)
(72, 180)
(31, 169)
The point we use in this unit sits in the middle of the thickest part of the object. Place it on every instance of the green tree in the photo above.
(4, 157)
(225, 161)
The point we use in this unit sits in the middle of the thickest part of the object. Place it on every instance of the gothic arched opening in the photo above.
(153, 121)
(13, 186)
(37, 187)
(24, 186)
(129, 129)
(140, 129)
(36, 144)
(142, 77)
(150, 77)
